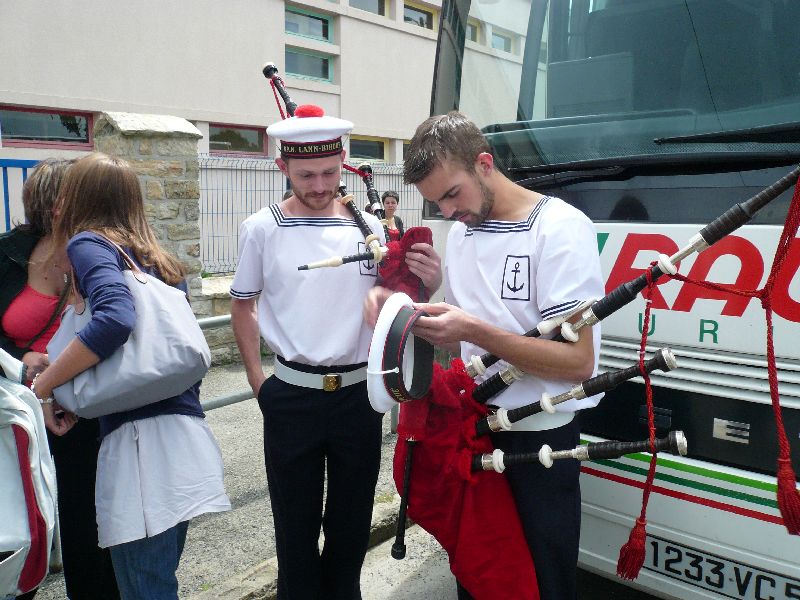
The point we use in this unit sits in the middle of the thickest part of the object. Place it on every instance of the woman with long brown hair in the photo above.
(159, 465)
(35, 274)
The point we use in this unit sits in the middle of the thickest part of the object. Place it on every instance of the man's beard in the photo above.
(316, 202)
(474, 219)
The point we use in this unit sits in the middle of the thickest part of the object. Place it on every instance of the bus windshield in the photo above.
(591, 83)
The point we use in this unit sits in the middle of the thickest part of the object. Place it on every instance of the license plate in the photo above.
(726, 577)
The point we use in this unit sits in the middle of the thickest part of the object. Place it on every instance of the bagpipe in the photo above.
(450, 473)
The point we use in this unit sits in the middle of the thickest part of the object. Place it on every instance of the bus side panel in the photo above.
(713, 532)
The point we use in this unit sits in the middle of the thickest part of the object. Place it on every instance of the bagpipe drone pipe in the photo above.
(441, 434)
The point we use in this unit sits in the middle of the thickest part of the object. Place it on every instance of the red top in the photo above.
(394, 235)
(27, 314)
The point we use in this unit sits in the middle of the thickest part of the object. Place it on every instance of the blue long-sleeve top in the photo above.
(98, 275)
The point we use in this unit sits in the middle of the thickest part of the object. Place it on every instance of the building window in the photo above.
(374, 6)
(308, 24)
(367, 148)
(501, 41)
(418, 16)
(45, 128)
(406, 146)
(304, 63)
(233, 139)
(472, 31)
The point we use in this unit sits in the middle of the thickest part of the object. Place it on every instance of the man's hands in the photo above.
(446, 325)
(373, 303)
(256, 380)
(424, 262)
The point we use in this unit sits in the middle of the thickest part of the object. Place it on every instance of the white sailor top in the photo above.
(516, 274)
(313, 317)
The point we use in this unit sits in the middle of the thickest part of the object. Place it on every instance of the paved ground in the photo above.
(222, 546)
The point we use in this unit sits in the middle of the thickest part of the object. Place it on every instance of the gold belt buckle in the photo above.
(331, 382)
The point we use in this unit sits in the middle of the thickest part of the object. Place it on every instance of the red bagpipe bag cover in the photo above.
(394, 270)
(472, 515)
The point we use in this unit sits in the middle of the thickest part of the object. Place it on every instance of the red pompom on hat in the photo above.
(309, 110)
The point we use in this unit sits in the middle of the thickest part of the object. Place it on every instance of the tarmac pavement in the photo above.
(231, 556)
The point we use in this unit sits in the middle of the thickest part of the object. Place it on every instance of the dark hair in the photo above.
(102, 194)
(287, 194)
(390, 194)
(40, 192)
(439, 138)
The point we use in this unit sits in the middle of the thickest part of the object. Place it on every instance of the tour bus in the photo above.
(653, 117)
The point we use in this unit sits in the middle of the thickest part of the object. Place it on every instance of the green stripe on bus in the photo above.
(691, 484)
(711, 474)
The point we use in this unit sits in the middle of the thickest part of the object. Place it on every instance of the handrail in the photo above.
(220, 401)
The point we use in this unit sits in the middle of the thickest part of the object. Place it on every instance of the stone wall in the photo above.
(163, 151)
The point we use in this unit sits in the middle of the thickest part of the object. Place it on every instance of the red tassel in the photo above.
(788, 497)
(631, 555)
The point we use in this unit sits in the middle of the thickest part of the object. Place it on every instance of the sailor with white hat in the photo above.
(316, 412)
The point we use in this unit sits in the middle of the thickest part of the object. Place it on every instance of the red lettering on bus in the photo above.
(751, 270)
(782, 303)
(623, 270)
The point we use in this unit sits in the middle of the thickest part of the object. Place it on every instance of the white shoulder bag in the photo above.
(165, 354)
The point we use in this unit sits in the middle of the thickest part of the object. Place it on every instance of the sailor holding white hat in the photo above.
(315, 408)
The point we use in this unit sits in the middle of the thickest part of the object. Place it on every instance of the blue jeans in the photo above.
(145, 568)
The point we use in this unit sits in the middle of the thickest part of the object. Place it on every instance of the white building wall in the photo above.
(202, 60)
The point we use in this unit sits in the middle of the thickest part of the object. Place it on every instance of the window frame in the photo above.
(307, 52)
(434, 13)
(381, 4)
(368, 138)
(505, 36)
(308, 13)
(264, 150)
(477, 26)
(77, 145)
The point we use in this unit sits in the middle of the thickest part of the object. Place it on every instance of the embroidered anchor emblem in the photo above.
(515, 271)
(516, 278)
(366, 267)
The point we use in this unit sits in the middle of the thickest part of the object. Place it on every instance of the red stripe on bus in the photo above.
(745, 512)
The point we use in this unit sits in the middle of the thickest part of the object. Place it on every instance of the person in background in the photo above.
(159, 465)
(393, 222)
(32, 297)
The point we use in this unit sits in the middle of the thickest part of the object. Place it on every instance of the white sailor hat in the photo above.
(400, 366)
(309, 133)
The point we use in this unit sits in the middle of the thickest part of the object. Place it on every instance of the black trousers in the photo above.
(88, 572)
(549, 505)
(307, 432)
